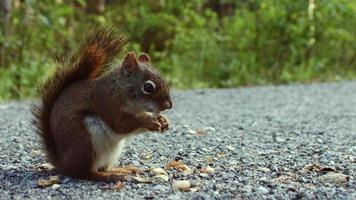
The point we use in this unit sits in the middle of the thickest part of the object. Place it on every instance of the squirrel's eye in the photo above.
(148, 87)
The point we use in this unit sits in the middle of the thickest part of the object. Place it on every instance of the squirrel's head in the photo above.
(144, 85)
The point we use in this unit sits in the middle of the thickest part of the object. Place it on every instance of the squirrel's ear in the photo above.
(130, 64)
(144, 58)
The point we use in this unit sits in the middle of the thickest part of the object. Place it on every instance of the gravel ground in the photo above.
(284, 142)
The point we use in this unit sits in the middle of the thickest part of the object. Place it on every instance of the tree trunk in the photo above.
(221, 8)
(5, 17)
(95, 6)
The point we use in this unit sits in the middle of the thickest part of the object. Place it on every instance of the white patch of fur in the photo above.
(107, 144)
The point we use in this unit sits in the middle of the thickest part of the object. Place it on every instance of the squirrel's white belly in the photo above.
(107, 144)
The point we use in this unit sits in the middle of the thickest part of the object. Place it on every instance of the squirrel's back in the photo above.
(92, 59)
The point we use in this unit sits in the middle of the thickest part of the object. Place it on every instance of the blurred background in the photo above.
(195, 43)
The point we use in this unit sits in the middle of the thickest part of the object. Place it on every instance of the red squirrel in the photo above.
(87, 108)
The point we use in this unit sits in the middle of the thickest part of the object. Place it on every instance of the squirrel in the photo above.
(89, 108)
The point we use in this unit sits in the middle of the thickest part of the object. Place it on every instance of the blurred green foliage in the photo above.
(193, 42)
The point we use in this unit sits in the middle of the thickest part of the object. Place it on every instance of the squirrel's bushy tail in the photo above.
(94, 56)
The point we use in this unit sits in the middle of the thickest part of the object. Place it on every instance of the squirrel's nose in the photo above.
(167, 105)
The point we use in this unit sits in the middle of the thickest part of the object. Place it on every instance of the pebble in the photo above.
(194, 189)
(174, 197)
(230, 148)
(181, 185)
(264, 169)
(162, 178)
(187, 172)
(48, 182)
(262, 189)
(333, 178)
(207, 170)
(275, 169)
(141, 179)
(204, 175)
(247, 188)
(191, 131)
(159, 187)
(159, 171)
(46, 166)
(209, 129)
(55, 186)
(263, 179)
(136, 163)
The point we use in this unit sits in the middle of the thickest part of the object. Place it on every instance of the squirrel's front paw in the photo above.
(152, 124)
(164, 123)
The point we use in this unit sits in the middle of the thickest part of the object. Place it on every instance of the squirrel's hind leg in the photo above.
(76, 153)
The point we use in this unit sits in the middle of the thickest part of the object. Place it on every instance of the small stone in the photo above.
(32, 184)
(48, 182)
(314, 167)
(210, 159)
(279, 140)
(187, 171)
(345, 171)
(194, 189)
(220, 155)
(209, 129)
(310, 186)
(136, 163)
(4, 106)
(146, 156)
(263, 179)
(161, 178)
(352, 159)
(45, 166)
(204, 175)
(263, 190)
(36, 152)
(141, 180)
(179, 166)
(158, 171)
(191, 131)
(230, 148)
(119, 185)
(264, 169)
(55, 186)
(200, 132)
(181, 185)
(159, 188)
(275, 169)
(282, 179)
(174, 197)
(207, 170)
(247, 188)
(334, 178)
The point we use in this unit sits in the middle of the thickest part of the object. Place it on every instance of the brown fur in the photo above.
(95, 55)
(78, 88)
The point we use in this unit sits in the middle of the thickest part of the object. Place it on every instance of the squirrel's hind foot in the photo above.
(107, 177)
